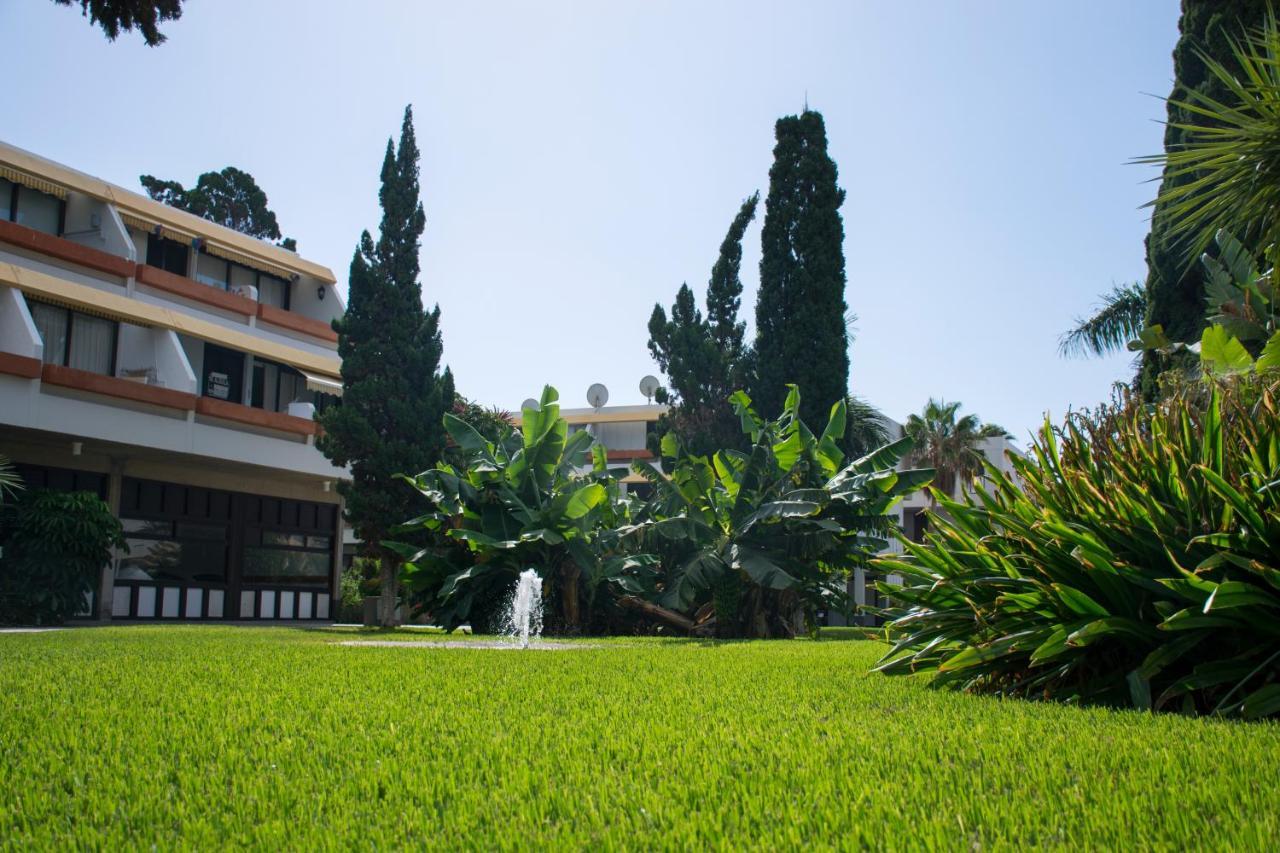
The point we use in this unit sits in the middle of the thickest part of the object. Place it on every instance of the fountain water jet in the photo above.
(524, 615)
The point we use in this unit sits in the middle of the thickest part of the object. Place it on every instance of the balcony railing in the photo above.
(195, 291)
(64, 249)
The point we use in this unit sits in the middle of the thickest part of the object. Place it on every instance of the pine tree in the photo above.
(394, 395)
(705, 359)
(116, 16)
(230, 197)
(801, 334)
(1175, 282)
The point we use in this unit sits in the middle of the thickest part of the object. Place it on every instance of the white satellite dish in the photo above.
(597, 395)
(529, 404)
(649, 386)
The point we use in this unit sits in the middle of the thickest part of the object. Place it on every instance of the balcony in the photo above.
(66, 250)
(191, 289)
(113, 386)
(250, 416)
(296, 322)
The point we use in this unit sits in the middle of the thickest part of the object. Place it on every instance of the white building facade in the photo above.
(174, 367)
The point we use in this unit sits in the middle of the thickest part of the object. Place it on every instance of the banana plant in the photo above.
(765, 538)
(1242, 334)
(520, 503)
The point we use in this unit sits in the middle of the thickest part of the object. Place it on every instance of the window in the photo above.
(168, 255)
(276, 556)
(34, 209)
(275, 386)
(212, 270)
(93, 344)
(173, 551)
(7, 199)
(273, 291)
(223, 373)
(72, 339)
(242, 278)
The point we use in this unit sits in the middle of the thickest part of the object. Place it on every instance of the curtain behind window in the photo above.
(51, 322)
(93, 342)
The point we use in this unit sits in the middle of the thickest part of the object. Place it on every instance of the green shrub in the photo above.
(518, 503)
(55, 543)
(1137, 563)
(768, 537)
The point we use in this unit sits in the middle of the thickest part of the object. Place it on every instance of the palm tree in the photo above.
(866, 428)
(1117, 322)
(10, 482)
(1224, 175)
(948, 444)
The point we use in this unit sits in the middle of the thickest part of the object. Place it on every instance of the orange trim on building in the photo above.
(628, 455)
(111, 386)
(240, 413)
(20, 365)
(296, 322)
(195, 291)
(64, 249)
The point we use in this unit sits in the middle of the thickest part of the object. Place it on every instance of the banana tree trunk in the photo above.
(569, 597)
(661, 614)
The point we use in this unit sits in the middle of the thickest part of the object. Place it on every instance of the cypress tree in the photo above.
(705, 359)
(394, 395)
(1175, 282)
(801, 334)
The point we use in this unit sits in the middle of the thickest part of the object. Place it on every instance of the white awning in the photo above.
(323, 384)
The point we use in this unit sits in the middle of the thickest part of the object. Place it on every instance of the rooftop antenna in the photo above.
(529, 404)
(806, 100)
(648, 387)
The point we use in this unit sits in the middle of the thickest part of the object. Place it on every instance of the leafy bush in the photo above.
(358, 581)
(519, 503)
(765, 539)
(55, 543)
(1134, 564)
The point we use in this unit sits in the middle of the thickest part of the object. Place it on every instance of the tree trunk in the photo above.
(390, 564)
(569, 604)
(662, 614)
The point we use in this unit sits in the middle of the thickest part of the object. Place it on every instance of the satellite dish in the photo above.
(649, 386)
(597, 395)
(529, 404)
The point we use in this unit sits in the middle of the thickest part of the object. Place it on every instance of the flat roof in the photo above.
(139, 206)
(608, 415)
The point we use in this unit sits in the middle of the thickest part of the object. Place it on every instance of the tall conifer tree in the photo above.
(705, 359)
(1175, 281)
(801, 334)
(394, 395)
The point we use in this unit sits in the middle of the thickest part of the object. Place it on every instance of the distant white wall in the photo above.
(194, 351)
(158, 350)
(18, 334)
(304, 299)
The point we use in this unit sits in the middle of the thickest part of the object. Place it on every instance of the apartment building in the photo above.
(174, 367)
(912, 516)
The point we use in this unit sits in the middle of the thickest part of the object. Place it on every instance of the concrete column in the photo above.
(860, 593)
(107, 581)
(335, 583)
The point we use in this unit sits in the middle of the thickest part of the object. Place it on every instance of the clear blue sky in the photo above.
(581, 160)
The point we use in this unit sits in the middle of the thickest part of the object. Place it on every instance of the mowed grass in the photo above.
(203, 737)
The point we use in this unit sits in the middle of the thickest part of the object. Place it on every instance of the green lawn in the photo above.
(206, 736)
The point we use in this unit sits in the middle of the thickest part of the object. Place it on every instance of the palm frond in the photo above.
(10, 481)
(1116, 322)
(1226, 174)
